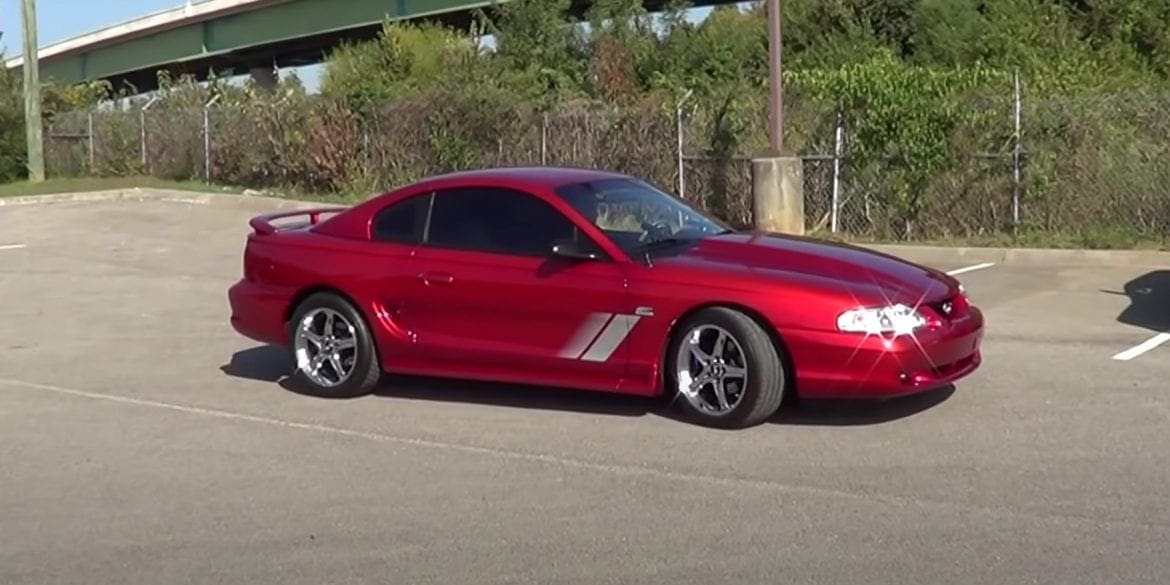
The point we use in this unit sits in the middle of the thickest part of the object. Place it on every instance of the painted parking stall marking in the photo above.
(971, 268)
(1142, 347)
(1129, 354)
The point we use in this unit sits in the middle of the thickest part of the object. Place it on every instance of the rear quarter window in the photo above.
(401, 222)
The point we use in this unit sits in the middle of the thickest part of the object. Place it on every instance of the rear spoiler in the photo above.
(262, 224)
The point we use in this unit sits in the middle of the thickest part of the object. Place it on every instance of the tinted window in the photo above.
(402, 221)
(497, 220)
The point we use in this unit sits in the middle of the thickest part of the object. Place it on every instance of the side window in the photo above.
(401, 222)
(497, 220)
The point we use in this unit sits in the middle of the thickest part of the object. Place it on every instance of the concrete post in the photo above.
(265, 77)
(778, 194)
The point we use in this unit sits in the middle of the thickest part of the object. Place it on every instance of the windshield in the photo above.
(637, 216)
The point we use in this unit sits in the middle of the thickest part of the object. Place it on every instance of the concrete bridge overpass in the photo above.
(235, 37)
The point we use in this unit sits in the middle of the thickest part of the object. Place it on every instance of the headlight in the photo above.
(896, 319)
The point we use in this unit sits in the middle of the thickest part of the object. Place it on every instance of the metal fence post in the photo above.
(1016, 149)
(837, 148)
(544, 139)
(678, 117)
(91, 145)
(207, 138)
(366, 155)
(142, 136)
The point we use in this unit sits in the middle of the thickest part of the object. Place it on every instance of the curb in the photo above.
(1030, 256)
(153, 194)
(1008, 256)
(135, 194)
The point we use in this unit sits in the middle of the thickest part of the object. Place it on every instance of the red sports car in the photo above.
(597, 281)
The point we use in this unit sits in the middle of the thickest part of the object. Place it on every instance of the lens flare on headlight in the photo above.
(896, 320)
(888, 321)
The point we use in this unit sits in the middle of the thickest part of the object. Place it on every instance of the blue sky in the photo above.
(58, 20)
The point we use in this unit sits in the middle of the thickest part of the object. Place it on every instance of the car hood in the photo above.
(862, 272)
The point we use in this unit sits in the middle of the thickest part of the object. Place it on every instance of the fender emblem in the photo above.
(644, 311)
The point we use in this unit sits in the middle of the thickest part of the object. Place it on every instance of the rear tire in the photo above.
(723, 371)
(333, 350)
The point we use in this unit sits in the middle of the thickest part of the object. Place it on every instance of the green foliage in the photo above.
(404, 58)
(538, 52)
(920, 85)
(13, 155)
(622, 41)
(829, 33)
(66, 98)
(903, 118)
(947, 32)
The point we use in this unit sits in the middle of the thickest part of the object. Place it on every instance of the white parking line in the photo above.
(971, 268)
(12, 246)
(1143, 347)
(913, 502)
(450, 446)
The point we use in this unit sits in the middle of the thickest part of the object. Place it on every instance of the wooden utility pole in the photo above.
(778, 178)
(775, 78)
(32, 94)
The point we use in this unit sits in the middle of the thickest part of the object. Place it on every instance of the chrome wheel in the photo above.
(325, 344)
(711, 369)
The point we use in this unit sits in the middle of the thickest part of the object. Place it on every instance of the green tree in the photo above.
(947, 32)
(405, 57)
(903, 120)
(830, 33)
(13, 154)
(56, 98)
(621, 42)
(539, 51)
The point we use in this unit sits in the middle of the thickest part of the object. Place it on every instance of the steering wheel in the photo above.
(654, 230)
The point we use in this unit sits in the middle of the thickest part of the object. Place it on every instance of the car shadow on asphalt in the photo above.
(271, 364)
(1149, 301)
(266, 363)
(837, 413)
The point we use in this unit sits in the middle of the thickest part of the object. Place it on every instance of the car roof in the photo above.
(356, 219)
(545, 176)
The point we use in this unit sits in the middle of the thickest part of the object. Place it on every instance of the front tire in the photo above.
(724, 371)
(333, 350)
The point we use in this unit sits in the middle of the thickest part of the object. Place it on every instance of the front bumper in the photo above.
(846, 365)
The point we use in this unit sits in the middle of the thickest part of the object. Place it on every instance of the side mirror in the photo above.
(574, 251)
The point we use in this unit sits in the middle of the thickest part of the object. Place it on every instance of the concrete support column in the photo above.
(778, 194)
(265, 77)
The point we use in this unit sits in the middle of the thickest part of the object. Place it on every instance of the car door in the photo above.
(390, 276)
(494, 302)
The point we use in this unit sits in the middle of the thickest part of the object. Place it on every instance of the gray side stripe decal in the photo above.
(585, 335)
(613, 335)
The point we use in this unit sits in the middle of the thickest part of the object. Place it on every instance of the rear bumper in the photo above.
(257, 312)
(841, 365)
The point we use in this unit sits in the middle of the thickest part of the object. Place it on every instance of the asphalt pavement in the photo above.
(143, 441)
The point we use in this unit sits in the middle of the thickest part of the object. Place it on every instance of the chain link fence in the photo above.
(1095, 165)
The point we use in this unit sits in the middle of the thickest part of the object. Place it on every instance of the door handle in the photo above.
(437, 278)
